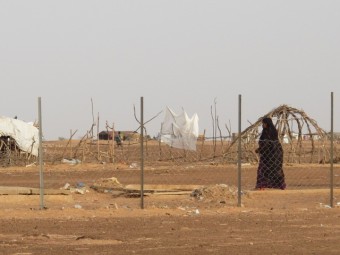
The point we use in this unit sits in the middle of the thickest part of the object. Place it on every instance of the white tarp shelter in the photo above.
(25, 135)
(179, 131)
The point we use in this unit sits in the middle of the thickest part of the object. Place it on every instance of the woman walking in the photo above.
(270, 173)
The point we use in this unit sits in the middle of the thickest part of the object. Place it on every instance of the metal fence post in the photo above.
(41, 155)
(142, 151)
(331, 159)
(239, 152)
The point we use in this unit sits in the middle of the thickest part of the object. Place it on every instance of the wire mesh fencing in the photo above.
(97, 166)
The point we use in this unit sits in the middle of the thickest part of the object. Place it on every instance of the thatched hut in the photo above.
(303, 140)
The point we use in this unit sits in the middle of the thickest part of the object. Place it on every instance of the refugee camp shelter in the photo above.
(17, 137)
(302, 138)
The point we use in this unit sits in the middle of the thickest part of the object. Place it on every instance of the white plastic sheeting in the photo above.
(26, 135)
(179, 131)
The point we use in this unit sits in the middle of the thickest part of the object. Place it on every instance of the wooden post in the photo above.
(159, 142)
(113, 142)
(98, 153)
(71, 155)
(202, 146)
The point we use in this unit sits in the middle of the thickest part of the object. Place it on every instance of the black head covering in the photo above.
(270, 131)
(268, 121)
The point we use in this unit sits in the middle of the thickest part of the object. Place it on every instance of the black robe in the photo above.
(270, 173)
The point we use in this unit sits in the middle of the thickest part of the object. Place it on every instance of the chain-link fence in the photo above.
(214, 162)
(76, 164)
(118, 167)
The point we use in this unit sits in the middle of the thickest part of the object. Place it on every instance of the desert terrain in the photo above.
(188, 207)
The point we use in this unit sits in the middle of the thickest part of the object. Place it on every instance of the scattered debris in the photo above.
(80, 185)
(79, 191)
(66, 186)
(325, 206)
(70, 161)
(108, 185)
(78, 206)
(30, 165)
(133, 190)
(216, 193)
(80, 188)
(6, 190)
(133, 165)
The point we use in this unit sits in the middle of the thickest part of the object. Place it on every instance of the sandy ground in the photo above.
(267, 222)
(202, 217)
(190, 204)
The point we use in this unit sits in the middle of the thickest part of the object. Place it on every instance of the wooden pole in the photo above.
(98, 153)
(71, 155)
(113, 142)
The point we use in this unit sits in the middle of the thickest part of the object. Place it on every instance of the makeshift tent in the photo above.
(285, 119)
(25, 135)
(179, 131)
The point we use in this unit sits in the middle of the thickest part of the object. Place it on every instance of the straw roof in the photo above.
(293, 125)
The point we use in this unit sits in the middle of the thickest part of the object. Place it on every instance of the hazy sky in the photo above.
(181, 54)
